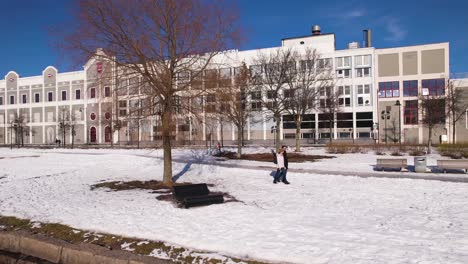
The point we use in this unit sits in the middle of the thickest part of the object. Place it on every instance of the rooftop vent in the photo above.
(353, 45)
(316, 30)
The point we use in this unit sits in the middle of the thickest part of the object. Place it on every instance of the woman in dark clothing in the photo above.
(285, 172)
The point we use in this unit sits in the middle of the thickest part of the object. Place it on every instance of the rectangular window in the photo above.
(77, 94)
(122, 112)
(410, 88)
(288, 93)
(363, 72)
(363, 94)
(64, 95)
(24, 98)
(12, 99)
(257, 95)
(36, 97)
(324, 63)
(362, 60)
(107, 91)
(93, 93)
(50, 96)
(389, 89)
(435, 86)
(256, 106)
(343, 62)
(123, 103)
(343, 73)
(271, 94)
(1, 100)
(411, 112)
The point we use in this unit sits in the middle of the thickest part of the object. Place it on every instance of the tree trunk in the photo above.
(331, 130)
(298, 133)
(239, 142)
(138, 135)
(222, 136)
(167, 148)
(429, 141)
(63, 144)
(454, 124)
(278, 131)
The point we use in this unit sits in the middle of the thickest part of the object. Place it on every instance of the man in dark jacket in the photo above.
(284, 180)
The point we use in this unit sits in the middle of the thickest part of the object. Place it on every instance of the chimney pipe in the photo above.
(316, 30)
(367, 38)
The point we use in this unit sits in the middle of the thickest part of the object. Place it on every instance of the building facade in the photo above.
(369, 81)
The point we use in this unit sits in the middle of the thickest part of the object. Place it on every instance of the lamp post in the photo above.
(399, 121)
(385, 114)
(273, 130)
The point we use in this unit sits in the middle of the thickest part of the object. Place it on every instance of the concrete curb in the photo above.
(61, 252)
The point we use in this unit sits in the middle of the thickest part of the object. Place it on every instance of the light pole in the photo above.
(273, 130)
(399, 121)
(385, 114)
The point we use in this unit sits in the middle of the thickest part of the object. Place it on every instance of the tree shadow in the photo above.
(182, 172)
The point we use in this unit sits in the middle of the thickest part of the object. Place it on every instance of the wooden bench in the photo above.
(453, 165)
(383, 164)
(195, 194)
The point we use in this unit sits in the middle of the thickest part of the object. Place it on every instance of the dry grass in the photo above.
(268, 157)
(112, 242)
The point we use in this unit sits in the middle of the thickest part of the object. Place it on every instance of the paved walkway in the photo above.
(449, 177)
(433, 176)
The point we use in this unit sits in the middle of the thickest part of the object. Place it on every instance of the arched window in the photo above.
(107, 115)
(107, 134)
(92, 134)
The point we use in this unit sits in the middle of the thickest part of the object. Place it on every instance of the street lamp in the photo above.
(273, 130)
(385, 114)
(399, 121)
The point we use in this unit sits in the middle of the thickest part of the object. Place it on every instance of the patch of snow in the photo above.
(126, 246)
(315, 219)
(36, 225)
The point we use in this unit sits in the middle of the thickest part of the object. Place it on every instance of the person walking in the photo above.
(279, 166)
(285, 172)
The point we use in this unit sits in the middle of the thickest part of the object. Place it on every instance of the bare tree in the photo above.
(312, 75)
(271, 73)
(433, 114)
(19, 128)
(64, 123)
(329, 105)
(233, 102)
(155, 40)
(457, 105)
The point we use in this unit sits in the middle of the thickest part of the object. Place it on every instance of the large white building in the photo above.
(370, 80)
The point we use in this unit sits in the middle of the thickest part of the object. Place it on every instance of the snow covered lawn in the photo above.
(316, 219)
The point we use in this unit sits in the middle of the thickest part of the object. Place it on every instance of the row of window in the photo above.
(50, 96)
(360, 72)
(433, 87)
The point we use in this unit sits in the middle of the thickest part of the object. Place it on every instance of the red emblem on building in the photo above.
(99, 67)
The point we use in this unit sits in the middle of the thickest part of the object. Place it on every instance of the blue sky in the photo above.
(25, 43)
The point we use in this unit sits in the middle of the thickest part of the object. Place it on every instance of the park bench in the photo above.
(195, 194)
(383, 164)
(453, 165)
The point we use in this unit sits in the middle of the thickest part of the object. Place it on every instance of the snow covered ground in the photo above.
(316, 219)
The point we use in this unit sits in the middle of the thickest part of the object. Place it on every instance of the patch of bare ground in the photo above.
(164, 192)
(268, 157)
(114, 242)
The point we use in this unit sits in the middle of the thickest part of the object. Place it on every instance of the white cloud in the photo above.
(355, 13)
(395, 30)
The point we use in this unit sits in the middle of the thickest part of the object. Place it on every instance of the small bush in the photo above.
(455, 151)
